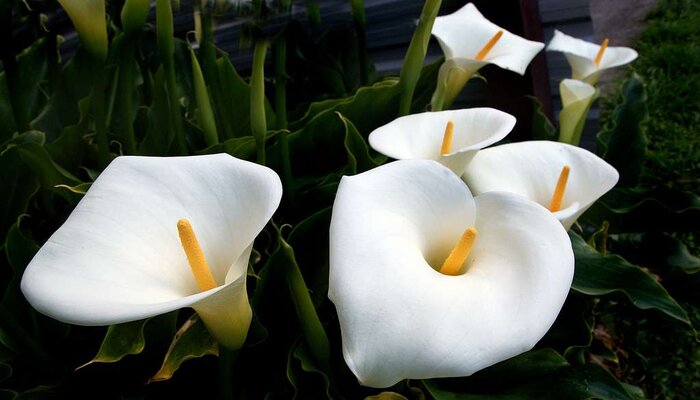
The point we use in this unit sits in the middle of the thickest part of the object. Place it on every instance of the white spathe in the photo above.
(462, 35)
(577, 98)
(531, 169)
(581, 56)
(419, 136)
(118, 257)
(400, 318)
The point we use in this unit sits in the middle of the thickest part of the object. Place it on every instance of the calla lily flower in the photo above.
(577, 98)
(564, 178)
(90, 21)
(451, 137)
(470, 42)
(118, 257)
(401, 315)
(589, 60)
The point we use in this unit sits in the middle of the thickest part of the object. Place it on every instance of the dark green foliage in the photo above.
(50, 117)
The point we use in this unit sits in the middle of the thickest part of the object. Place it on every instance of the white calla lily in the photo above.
(118, 257)
(533, 170)
(587, 60)
(421, 136)
(469, 42)
(577, 98)
(402, 318)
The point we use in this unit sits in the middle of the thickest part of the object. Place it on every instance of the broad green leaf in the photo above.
(542, 127)
(624, 144)
(192, 340)
(32, 71)
(646, 210)
(50, 174)
(359, 159)
(314, 333)
(369, 108)
(69, 148)
(598, 275)
(232, 101)
(159, 137)
(307, 380)
(413, 60)
(571, 333)
(7, 119)
(18, 185)
(73, 84)
(535, 375)
(666, 251)
(17, 318)
(121, 340)
(309, 238)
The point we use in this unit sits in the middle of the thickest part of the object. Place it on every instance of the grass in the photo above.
(662, 356)
(669, 62)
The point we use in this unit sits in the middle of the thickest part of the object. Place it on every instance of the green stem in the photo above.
(357, 8)
(280, 50)
(314, 333)
(126, 89)
(166, 51)
(413, 61)
(287, 177)
(98, 104)
(258, 123)
(227, 362)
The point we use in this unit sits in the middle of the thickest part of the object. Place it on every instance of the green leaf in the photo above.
(314, 333)
(309, 239)
(119, 341)
(19, 185)
(192, 340)
(542, 127)
(62, 110)
(624, 144)
(369, 108)
(598, 275)
(646, 210)
(662, 250)
(159, 137)
(535, 375)
(7, 119)
(359, 159)
(307, 380)
(50, 174)
(232, 101)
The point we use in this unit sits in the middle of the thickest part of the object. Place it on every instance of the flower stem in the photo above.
(314, 333)
(98, 104)
(166, 50)
(126, 90)
(258, 122)
(280, 50)
(413, 61)
(227, 362)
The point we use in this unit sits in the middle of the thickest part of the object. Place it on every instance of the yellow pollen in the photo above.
(601, 52)
(453, 263)
(195, 256)
(447, 138)
(558, 196)
(489, 45)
